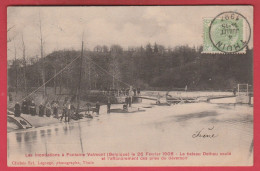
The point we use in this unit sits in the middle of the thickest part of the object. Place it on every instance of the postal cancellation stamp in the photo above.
(228, 32)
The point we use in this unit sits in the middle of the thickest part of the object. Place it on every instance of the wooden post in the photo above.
(89, 73)
(43, 67)
(55, 81)
(238, 89)
(24, 60)
(60, 82)
(16, 72)
(247, 89)
(78, 92)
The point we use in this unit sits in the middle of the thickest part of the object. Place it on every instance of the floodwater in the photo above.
(161, 129)
(188, 93)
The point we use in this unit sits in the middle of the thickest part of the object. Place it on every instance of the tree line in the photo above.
(152, 67)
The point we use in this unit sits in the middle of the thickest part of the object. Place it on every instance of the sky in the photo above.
(128, 26)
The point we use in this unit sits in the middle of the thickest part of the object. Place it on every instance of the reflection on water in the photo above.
(27, 136)
(18, 137)
(161, 128)
(56, 131)
(199, 115)
(42, 132)
(49, 132)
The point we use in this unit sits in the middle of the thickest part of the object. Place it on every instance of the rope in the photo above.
(108, 72)
(66, 68)
(51, 78)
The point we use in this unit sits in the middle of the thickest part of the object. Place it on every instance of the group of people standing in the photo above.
(128, 103)
(67, 109)
(48, 109)
(29, 107)
(136, 91)
(97, 107)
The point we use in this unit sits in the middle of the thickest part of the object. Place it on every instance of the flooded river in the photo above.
(204, 128)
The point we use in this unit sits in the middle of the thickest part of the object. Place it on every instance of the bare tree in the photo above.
(41, 47)
(16, 70)
(24, 66)
(114, 71)
(89, 74)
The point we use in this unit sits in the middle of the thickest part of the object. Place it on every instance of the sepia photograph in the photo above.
(96, 86)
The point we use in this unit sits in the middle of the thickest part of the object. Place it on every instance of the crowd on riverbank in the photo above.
(66, 110)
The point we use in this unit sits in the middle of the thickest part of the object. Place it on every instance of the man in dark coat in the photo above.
(88, 107)
(24, 107)
(134, 91)
(68, 111)
(17, 110)
(126, 101)
(108, 105)
(97, 107)
(129, 101)
(55, 109)
(41, 110)
(235, 91)
(33, 108)
(63, 112)
(138, 91)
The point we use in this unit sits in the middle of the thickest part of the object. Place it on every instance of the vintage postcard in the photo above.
(148, 86)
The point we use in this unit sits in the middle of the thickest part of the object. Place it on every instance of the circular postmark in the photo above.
(229, 32)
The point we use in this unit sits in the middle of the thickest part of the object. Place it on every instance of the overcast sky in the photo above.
(63, 27)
